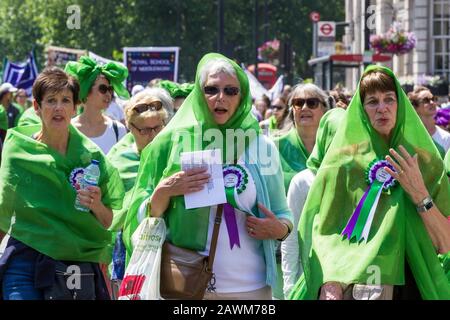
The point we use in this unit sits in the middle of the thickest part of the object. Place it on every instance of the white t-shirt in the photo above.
(108, 139)
(243, 268)
(442, 137)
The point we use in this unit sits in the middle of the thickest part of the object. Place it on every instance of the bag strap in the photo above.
(116, 130)
(215, 236)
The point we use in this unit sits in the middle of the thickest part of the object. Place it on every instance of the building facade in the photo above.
(428, 19)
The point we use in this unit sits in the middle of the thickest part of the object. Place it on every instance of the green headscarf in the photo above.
(177, 90)
(397, 232)
(86, 71)
(160, 159)
(328, 126)
(293, 155)
(36, 191)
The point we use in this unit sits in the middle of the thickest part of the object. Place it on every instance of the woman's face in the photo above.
(145, 129)
(426, 106)
(308, 110)
(21, 98)
(279, 109)
(101, 93)
(222, 95)
(381, 107)
(261, 106)
(56, 110)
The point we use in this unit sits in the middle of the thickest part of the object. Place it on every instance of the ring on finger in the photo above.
(251, 230)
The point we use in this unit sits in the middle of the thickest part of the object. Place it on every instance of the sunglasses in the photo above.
(279, 108)
(148, 130)
(428, 100)
(152, 106)
(103, 88)
(229, 91)
(311, 103)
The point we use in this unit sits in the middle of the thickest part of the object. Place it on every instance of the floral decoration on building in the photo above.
(396, 40)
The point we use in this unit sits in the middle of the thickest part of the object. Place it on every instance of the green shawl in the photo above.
(188, 131)
(29, 117)
(86, 71)
(447, 163)
(293, 155)
(328, 126)
(3, 118)
(397, 232)
(36, 192)
(125, 158)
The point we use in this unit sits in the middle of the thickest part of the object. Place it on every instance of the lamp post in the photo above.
(220, 16)
(255, 36)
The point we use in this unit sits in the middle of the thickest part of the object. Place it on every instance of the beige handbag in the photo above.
(185, 274)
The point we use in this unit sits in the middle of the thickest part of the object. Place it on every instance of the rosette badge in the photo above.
(361, 220)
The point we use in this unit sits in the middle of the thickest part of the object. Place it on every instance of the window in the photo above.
(441, 37)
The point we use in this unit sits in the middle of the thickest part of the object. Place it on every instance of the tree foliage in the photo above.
(109, 25)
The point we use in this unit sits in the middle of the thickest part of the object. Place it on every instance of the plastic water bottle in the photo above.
(90, 178)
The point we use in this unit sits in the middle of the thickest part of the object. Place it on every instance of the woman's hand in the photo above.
(185, 182)
(331, 291)
(92, 198)
(266, 228)
(408, 174)
(180, 183)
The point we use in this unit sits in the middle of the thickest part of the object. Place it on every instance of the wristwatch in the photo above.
(425, 205)
(288, 233)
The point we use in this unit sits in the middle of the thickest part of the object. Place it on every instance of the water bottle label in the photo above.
(76, 178)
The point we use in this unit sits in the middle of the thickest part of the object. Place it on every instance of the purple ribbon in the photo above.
(230, 219)
(352, 222)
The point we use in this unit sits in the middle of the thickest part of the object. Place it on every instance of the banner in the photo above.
(58, 56)
(21, 74)
(147, 63)
(257, 90)
(100, 60)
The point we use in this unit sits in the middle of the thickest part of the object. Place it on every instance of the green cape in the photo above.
(188, 131)
(447, 163)
(86, 71)
(36, 192)
(125, 158)
(293, 155)
(328, 126)
(29, 117)
(397, 232)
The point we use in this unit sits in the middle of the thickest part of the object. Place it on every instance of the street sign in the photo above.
(326, 29)
(314, 16)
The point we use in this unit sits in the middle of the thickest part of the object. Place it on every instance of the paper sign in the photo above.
(213, 192)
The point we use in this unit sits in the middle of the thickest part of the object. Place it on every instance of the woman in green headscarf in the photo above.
(177, 91)
(308, 103)
(396, 218)
(146, 114)
(298, 190)
(214, 116)
(97, 86)
(41, 198)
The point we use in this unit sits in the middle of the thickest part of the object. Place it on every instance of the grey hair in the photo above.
(216, 66)
(148, 93)
(313, 90)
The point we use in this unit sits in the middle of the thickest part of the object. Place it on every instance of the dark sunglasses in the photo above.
(103, 88)
(311, 103)
(279, 108)
(229, 91)
(428, 100)
(146, 131)
(153, 106)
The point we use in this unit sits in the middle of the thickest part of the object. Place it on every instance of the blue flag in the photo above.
(21, 75)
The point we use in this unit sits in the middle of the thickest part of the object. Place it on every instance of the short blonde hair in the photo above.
(146, 96)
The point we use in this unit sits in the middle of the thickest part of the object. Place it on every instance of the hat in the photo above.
(7, 87)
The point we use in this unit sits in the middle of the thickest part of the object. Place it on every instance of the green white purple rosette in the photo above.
(359, 224)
